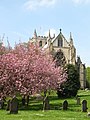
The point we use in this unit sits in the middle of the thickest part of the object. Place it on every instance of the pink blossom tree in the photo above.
(28, 70)
(9, 68)
(39, 72)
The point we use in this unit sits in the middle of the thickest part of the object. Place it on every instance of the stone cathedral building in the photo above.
(66, 48)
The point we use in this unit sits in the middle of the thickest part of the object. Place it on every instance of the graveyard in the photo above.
(44, 60)
(59, 109)
(35, 87)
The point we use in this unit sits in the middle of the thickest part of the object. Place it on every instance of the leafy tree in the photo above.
(71, 86)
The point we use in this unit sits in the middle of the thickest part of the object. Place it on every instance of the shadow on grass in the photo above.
(53, 98)
(39, 106)
(34, 107)
(35, 104)
(83, 95)
(55, 104)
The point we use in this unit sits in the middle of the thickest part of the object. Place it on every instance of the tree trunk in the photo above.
(46, 105)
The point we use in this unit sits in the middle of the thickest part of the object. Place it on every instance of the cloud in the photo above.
(34, 4)
(81, 1)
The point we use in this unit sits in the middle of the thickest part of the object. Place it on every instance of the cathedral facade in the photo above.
(66, 47)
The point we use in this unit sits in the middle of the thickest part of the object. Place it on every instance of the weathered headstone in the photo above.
(14, 105)
(46, 105)
(84, 106)
(8, 105)
(27, 100)
(78, 101)
(65, 105)
(1, 103)
(23, 100)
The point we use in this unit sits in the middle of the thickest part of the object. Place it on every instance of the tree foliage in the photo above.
(28, 70)
(70, 87)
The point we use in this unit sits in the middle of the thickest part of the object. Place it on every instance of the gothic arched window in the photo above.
(60, 58)
(60, 43)
(40, 43)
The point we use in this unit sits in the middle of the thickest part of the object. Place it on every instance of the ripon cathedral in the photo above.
(65, 48)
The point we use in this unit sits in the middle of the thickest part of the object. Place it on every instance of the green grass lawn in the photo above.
(34, 110)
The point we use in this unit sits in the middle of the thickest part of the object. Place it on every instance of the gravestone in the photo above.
(27, 100)
(78, 101)
(84, 106)
(8, 105)
(65, 105)
(14, 105)
(1, 103)
(46, 105)
(23, 100)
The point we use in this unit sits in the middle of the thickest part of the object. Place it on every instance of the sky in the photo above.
(19, 19)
